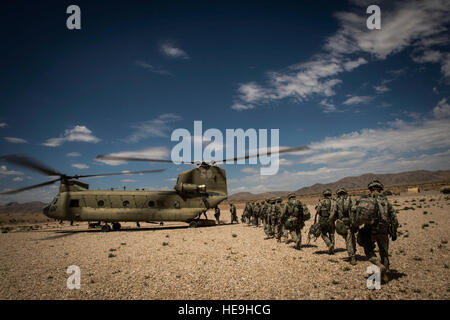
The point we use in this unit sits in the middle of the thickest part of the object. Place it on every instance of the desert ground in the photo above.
(220, 262)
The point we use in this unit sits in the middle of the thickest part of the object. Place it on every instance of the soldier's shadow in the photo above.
(395, 275)
(308, 246)
(326, 251)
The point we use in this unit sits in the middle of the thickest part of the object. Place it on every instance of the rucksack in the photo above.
(366, 211)
(324, 207)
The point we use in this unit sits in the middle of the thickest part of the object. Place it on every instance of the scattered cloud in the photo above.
(442, 109)
(355, 100)
(18, 179)
(381, 89)
(328, 107)
(158, 127)
(73, 154)
(170, 50)
(128, 180)
(77, 133)
(152, 68)
(15, 140)
(80, 166)
(5, 172)
(241, 107)
(3, 124)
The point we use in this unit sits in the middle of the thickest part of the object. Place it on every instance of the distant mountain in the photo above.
(28, 207)
(354, 183)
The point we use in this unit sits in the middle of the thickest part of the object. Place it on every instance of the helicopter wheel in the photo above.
(193, 224)
(116, 226)
(106, 228)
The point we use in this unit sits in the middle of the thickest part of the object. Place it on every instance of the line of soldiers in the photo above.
(278, 219)
(368, 221)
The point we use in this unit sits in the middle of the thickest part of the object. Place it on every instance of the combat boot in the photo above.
(331, 250)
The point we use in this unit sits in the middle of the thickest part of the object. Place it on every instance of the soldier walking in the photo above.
(326, 211)
(296, 214)
(344, 227)
(217, 214)
(380, 222)
(233, 213)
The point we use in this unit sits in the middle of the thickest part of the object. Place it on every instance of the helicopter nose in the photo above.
(46, 210)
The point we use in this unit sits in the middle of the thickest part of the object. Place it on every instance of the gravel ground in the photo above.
(222, 262)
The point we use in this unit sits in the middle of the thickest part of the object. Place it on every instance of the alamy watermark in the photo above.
(374, 280)
(210, 145)
(74, 280)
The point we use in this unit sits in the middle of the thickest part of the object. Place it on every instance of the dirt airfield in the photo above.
(221, 262)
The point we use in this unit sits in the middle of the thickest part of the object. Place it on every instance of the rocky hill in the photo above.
(28, 207)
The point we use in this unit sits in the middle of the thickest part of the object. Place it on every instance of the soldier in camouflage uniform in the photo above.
(268, 220)
(263, 214)
(326, 210)
(233, 213)
(296, 213)
(280, 216)
(344, 207)
(217, 214)
(256, 210)
(246, 213)
(384, 225)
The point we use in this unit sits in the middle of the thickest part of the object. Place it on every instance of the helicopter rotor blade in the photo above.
(117, 173)
(120, 158)
(31, 187)
(266, 154)
(30, 163)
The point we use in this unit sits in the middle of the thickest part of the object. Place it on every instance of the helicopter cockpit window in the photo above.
(176, 204)
(126, 203)
(74, 203)
(151, 203)
(101, 203)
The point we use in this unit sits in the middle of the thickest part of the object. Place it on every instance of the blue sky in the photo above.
(362, 100)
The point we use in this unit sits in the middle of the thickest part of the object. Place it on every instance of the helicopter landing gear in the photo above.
(106, 228)
(161, 223)
(193, 224)
(116, 226)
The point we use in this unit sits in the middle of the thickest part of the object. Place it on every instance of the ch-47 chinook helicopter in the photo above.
(196, 191)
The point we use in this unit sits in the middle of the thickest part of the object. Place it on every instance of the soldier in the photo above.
(217, 214)
(233, 213)
(246, 212)
(256, 211)
(296, 214)
(268, 219)
(326, 210)
(378, 225)
(344, 207)
(280, 219)
(263, 213)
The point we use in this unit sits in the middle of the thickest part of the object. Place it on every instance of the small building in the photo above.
(414, 190)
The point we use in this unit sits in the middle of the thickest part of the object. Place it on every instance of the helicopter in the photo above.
(195, 191)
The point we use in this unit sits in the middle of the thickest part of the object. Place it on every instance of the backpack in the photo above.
(366, 211)
(324, 207)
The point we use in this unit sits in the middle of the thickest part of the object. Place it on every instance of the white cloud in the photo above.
(80, 166)
(77, 133)
(404, 24)
(151, 68)
(355, 100)
(153, 153)
(381, 89)
(3, 124)
(128, 180)
(158, 127)
(328, 107)
(73, 154)
(15, 140)
(18, 179)
(171, 51)
(442, 109)
(5, 172)
(240, 107)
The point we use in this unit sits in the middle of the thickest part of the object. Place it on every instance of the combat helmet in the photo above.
(327, 193)
(341, 191)
(278, 200)
(375, 183)
(291, 195)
